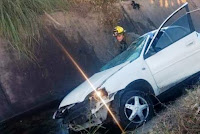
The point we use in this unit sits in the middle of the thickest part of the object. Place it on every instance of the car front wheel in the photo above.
(135, 109)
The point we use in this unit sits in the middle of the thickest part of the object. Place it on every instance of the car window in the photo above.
(162, 42)
(170, 34)
(177, 33)
(179, 29)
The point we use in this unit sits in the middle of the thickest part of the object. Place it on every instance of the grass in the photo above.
(20, 23)
(181, 117)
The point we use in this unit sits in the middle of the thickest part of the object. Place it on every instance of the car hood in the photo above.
(81, 92)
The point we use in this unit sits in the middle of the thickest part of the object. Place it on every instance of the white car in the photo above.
(154, 63)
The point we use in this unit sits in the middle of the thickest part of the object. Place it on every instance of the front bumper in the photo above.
(85, 114)
(78, 114)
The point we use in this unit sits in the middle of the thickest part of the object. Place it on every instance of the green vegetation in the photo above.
(21, 20)
(20, 23)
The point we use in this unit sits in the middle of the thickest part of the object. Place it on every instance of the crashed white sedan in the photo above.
(154, 63)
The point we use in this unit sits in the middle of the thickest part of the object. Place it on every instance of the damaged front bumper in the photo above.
(83, 115)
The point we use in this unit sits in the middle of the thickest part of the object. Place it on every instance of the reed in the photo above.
(20, 23)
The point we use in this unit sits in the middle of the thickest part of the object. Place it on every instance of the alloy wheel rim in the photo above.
(136, 109)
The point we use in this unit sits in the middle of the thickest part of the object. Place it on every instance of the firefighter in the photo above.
(124, 39)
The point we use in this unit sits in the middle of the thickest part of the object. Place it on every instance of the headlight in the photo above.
(100, 93)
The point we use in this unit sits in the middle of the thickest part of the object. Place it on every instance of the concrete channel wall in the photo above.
(24, 85)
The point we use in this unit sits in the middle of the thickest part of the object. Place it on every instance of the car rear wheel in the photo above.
(135, 109)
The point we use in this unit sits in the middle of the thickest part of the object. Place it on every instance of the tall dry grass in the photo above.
(183, 117)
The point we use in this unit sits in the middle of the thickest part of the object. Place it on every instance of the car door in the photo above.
(174, 53)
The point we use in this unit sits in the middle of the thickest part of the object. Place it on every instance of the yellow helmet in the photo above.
(118, 30)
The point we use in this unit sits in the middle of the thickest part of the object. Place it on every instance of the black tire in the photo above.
(123, 113)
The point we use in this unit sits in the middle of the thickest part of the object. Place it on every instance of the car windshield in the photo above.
(132, 53)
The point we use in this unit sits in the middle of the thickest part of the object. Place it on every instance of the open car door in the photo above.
(174, 52)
